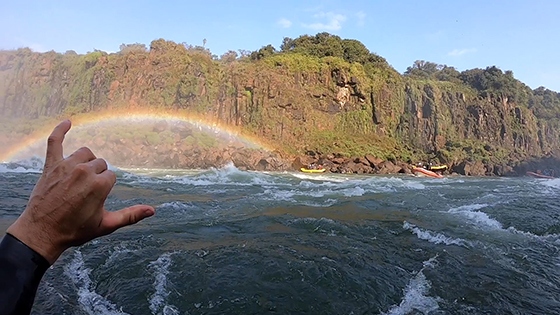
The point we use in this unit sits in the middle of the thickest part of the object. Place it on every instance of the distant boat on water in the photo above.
(539, 175)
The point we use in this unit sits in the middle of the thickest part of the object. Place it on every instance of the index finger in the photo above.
(54, 143)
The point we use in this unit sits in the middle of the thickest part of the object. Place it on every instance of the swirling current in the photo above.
(226, 241)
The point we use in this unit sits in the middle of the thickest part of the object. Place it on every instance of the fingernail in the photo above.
(149, 212)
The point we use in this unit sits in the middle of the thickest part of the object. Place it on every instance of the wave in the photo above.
(118, 251)
(177, 206)
(415, 294)
(432, 237)
(387, 183)
(478, 218)
(320, 177)
(552, 183)
(483, 221)
(321, 225)
(158, 304)
(89, 300)
(327, 193)
(231, 175)
(32, 165)
(227, 175)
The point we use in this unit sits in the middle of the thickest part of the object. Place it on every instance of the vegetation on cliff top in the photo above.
(320, 93)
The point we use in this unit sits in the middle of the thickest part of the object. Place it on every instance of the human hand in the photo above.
(66, 207)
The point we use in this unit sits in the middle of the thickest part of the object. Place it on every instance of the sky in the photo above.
(518, 35)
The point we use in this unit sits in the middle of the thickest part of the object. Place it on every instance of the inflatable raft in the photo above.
(419, 171)
(537, 175)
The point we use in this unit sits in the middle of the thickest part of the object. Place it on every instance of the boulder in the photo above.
(374, 161)
(469, 168)
(388, 167)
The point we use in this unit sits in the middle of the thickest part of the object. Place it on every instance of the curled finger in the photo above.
(104, 182)
(82, 155)
(98, 165)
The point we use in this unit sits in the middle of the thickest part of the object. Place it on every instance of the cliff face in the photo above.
(297, 103)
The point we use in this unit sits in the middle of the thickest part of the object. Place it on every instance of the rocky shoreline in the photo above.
(161, 145)
(372, 165)
(180, 156)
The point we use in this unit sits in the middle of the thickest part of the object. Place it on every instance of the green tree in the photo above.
(493, 82)
(132, 48)
(447, 73)
(328, 45)
(229, 56)
(355, 51)
(423, 69)
(264, 52)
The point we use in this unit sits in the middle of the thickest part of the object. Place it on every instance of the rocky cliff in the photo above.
(351, 116)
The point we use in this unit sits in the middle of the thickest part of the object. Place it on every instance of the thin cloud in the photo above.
(285, 23)
(361, 18)
(460, 52)
(330, 21)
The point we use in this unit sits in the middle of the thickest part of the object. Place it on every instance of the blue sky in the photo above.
(518, 35)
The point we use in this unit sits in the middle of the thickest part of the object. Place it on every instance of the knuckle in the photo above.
(103, 162)
(112, 177)
(104, 183)
(52, 139)
(99, 184)
(85, 150)
(82, 168)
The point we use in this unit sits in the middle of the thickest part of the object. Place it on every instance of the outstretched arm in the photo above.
(66, 208)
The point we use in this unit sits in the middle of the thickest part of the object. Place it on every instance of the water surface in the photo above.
(227, 241)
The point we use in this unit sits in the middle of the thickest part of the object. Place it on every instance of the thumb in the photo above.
(127, 216)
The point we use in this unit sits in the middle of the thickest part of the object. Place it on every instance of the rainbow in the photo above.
(136, 116)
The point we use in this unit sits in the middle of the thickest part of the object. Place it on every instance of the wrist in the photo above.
(21, 270)
(35, 240)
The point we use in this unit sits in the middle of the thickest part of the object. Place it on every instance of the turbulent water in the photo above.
(226, 241)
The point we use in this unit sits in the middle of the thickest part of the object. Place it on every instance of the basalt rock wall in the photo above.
(295, 103)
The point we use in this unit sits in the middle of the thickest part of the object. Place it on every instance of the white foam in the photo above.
(177, 206)
(353, 192)
(275, 194)
(432, 237)
(16, 169)
(33, 165)
(553, 183)
(90, 301)
(317, 177)
(300, 197)
(311, 185)
(118, 251)
(323, 225)
(322, 203)
(513, 230)
(478, 218)
(367, 182)
(227, 175)
(471, 207)
(414, 185)
(158, 299)
(482, 220)
(415, 294)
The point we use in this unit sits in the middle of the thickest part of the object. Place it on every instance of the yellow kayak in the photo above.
(438, 168)
(307, 170)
